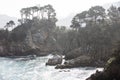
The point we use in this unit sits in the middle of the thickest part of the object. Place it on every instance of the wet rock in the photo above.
(77, 62)
(57, 59)
(110, 72)
(59, 66)
(99, 76)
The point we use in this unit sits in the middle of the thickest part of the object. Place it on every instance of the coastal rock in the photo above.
(77, 62)
(57, 59)
(110, 72)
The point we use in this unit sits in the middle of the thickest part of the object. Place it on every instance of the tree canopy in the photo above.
(44, 12)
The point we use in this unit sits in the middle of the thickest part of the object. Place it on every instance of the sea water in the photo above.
(35, 69)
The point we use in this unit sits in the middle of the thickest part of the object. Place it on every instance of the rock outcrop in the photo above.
(82, 61)
(76, 58)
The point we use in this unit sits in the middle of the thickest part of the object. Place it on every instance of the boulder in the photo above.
(56, 59)
(77, 62)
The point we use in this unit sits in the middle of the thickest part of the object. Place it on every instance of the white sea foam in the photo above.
(20, 69)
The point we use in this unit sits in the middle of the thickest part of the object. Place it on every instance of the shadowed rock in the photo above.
(110, 72)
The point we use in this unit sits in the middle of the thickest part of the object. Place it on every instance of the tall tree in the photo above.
(25, 14)
(79, 20)
(96, 13)
(50, 11)
(113, 14)
(42, 11)
(34, 10)
(11, 23)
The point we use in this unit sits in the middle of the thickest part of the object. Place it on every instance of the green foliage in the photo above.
(34, 18)
(4, 35)
(96, 11)
(97, 36)
(91, 17)
(45, 12)
(9, 24)
(20, 32)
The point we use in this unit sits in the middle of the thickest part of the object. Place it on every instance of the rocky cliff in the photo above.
(30, 38)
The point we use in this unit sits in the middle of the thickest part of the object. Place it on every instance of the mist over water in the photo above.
(24, 69)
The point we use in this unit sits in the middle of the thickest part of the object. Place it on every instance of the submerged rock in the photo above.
(57, 59)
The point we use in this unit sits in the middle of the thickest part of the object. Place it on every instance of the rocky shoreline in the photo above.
(81, 61)
(110, 72)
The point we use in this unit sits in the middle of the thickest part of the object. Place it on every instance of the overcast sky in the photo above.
(62, 7)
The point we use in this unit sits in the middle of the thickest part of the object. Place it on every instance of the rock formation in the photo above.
(57, 59)
(77, 62)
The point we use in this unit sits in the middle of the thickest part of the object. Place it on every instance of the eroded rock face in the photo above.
(57, 59)
(77, 62)
(42, 40)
